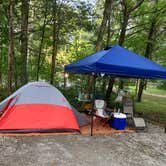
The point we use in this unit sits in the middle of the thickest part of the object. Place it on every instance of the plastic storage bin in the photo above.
(118, 121)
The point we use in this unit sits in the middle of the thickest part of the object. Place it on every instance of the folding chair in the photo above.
(128, 109)
(128, 106)
(100, 111)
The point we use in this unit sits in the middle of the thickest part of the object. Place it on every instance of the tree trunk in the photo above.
(127, 10)
(54, 44)
(104, 81)
(106, 17)
(136, 86)
(126, 15)
(149, 49)
(124, 22)
(56, 30)
(24, 38)
(10, 49)
(108, 31)
(99, 44)
(89, 84)
(0, 70)
(140, 91)
(15, 71)
(110, 87)
(123, 31)
(41, 42)
(111, 80)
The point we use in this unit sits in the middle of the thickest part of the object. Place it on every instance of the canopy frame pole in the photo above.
(93, 100)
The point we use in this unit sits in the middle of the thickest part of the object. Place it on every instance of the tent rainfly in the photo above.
(38, 107)
(118, 61)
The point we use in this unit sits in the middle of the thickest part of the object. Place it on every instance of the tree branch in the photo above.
(139, 25)
(136, 6)
(161, 10)
(131, 34)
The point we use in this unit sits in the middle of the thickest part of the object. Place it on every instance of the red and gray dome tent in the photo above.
(38, 107)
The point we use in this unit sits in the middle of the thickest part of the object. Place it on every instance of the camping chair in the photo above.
(100, 111)
(128, 106)
(128, 109)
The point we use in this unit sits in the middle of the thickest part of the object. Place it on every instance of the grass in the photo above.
(156, 91)
(153, 108)
(151, 90)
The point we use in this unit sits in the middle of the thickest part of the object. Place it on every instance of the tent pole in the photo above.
(93, 100)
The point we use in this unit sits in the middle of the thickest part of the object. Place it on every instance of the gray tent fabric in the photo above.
(38, 92)
(80, 119)
(42, 93)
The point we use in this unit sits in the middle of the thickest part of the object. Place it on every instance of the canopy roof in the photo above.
(118, 61)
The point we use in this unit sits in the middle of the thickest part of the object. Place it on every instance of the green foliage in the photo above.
(79, 23)
(111, 102)
(71, 95)
(162, 85)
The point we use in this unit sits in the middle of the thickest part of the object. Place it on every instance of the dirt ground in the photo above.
(124, 149)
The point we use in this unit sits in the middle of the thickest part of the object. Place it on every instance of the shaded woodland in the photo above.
(37, 38)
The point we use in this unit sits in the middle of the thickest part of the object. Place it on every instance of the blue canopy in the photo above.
(118, 61)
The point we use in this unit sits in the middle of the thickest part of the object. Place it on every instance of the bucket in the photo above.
(118, 121)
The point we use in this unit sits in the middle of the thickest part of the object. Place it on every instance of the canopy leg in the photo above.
(92, 125)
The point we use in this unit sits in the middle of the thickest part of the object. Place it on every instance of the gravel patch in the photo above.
(116, 149)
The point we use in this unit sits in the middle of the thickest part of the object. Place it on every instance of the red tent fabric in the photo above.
(37, 107)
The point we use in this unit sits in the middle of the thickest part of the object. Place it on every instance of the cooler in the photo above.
(119, 121)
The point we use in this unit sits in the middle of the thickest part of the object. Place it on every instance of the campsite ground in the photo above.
(123, 149)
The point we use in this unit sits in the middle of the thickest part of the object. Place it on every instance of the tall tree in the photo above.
(105, 20)
(42, 40)
(126, 12)
(24, 38)
(56, 30)
(0, 69)
(10, 48)
(101, 32)
(151, 35)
